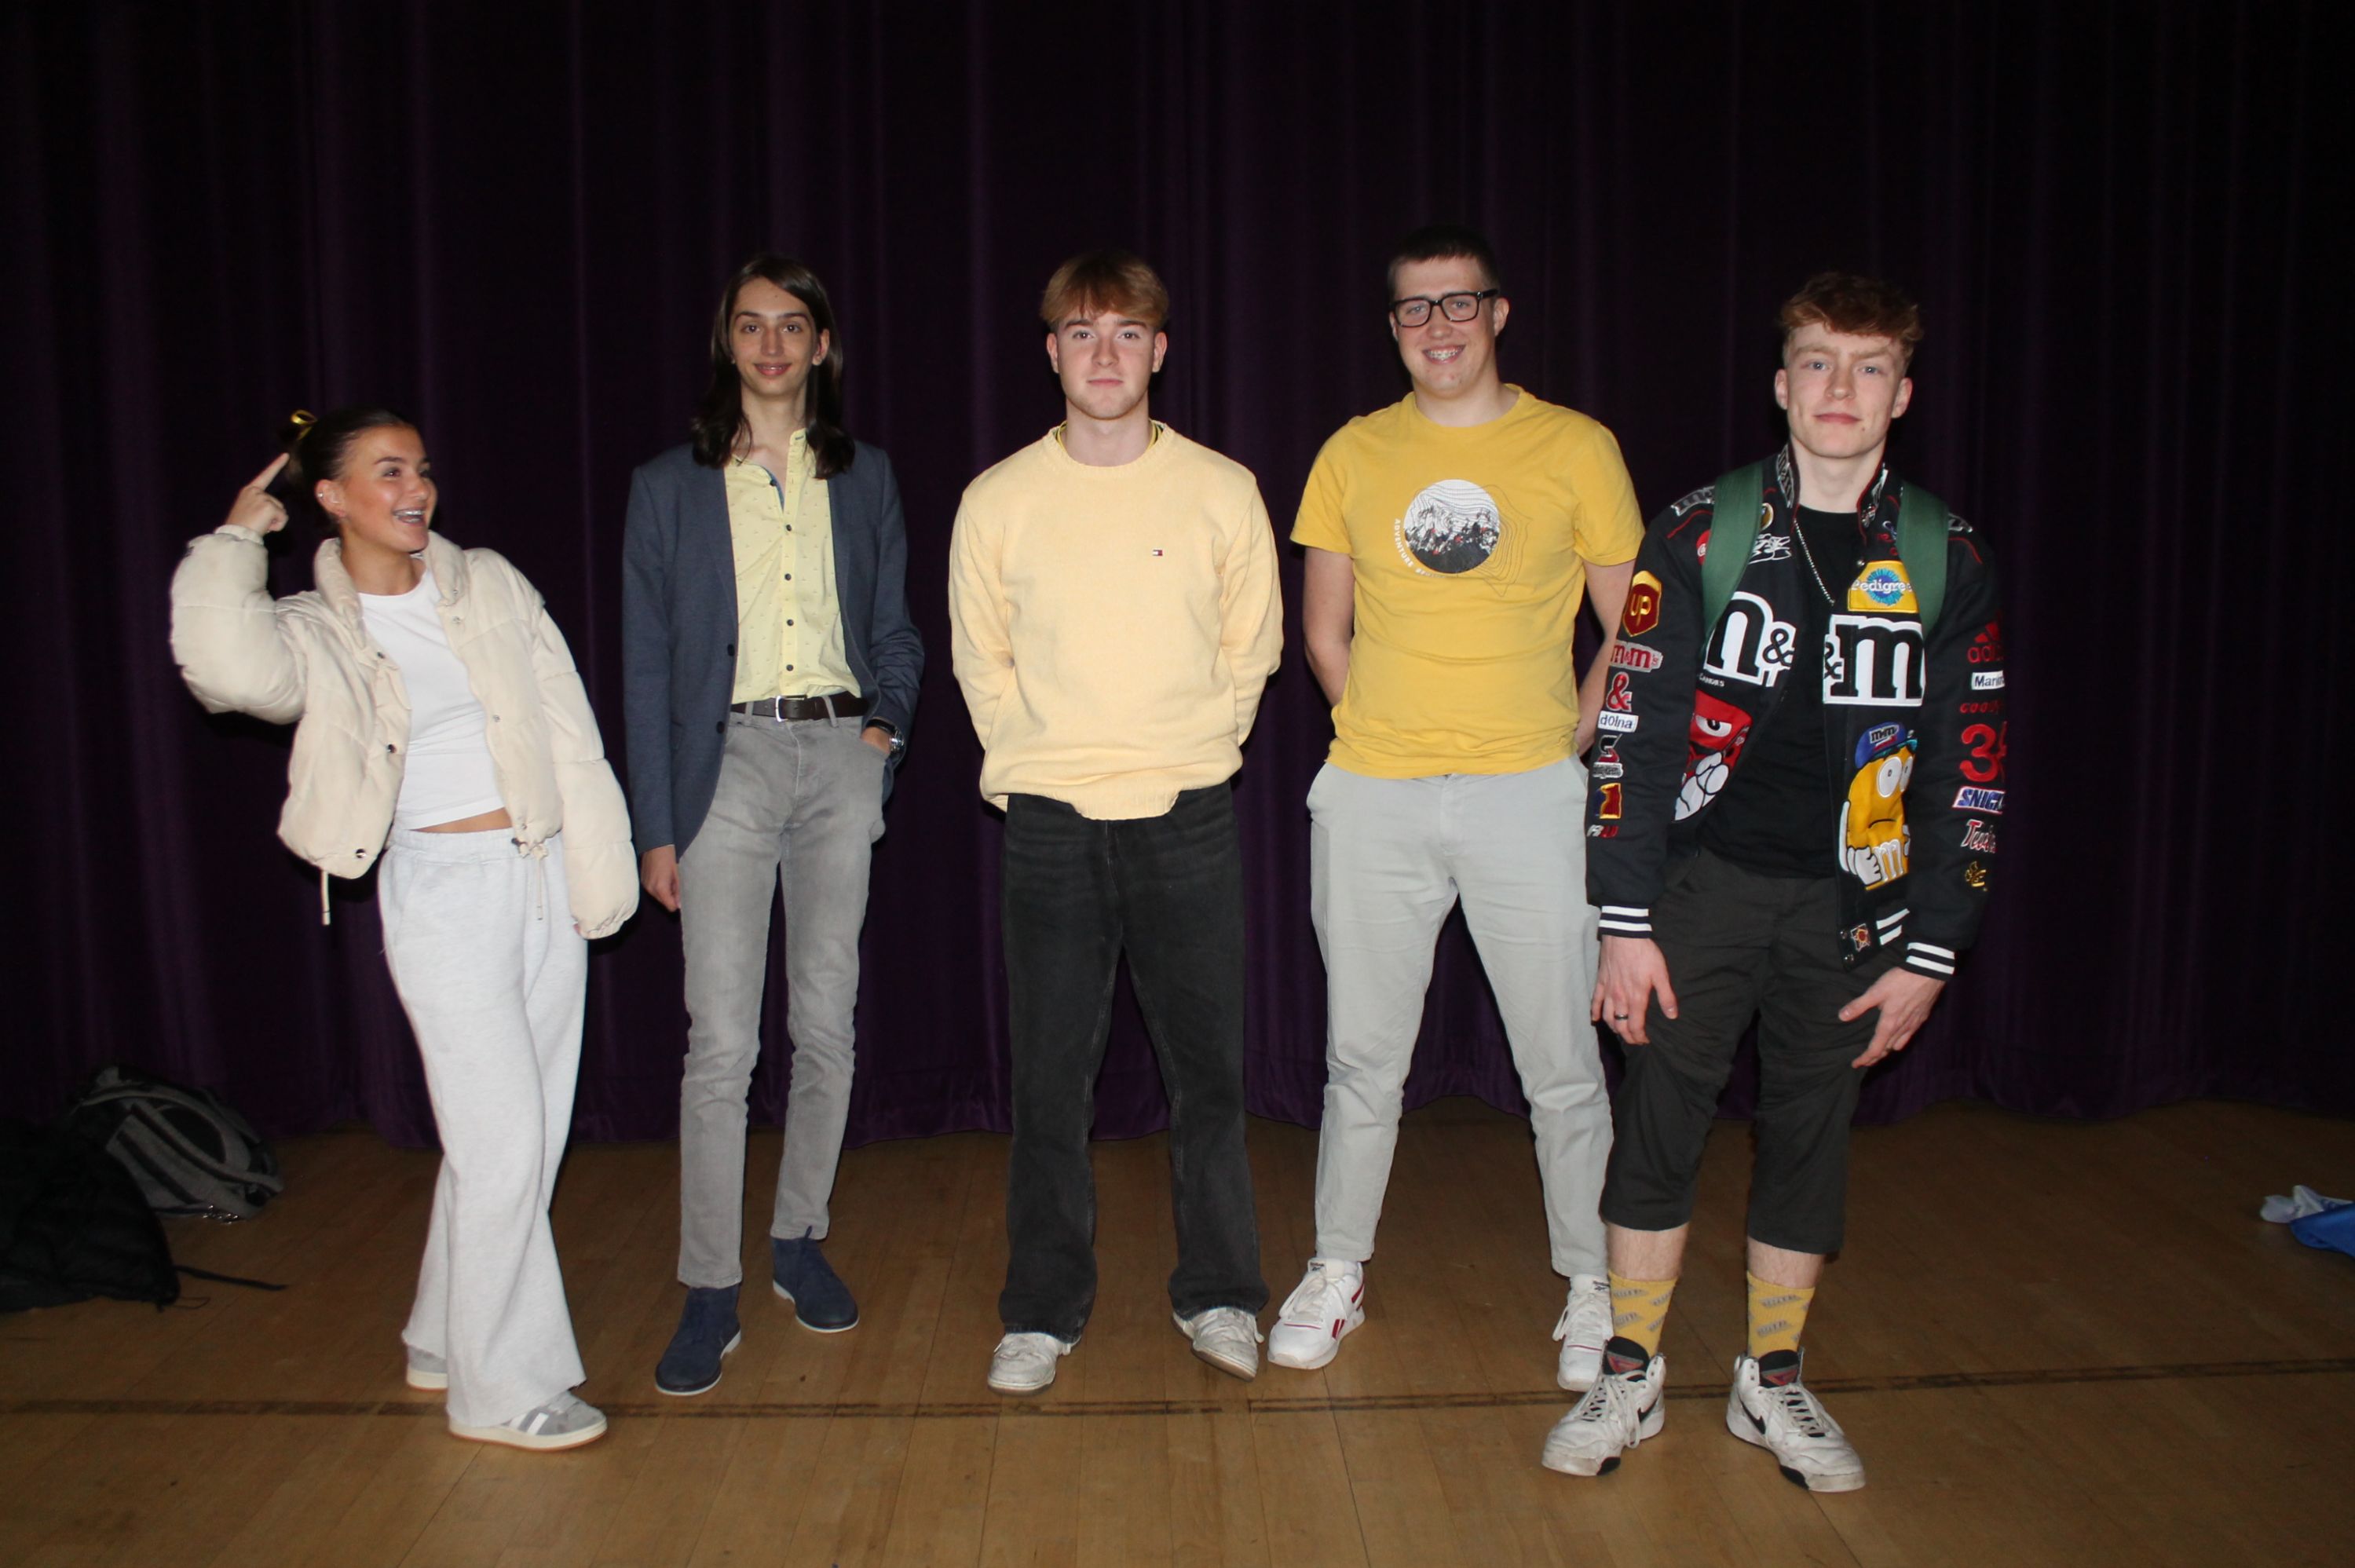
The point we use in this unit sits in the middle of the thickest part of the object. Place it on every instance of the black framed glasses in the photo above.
(1462, 305)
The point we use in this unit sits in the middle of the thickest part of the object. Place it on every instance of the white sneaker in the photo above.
(1771, 1407)
(1328, 1302)
(1584, 1327)
(426, 1369)
(1226, 1337)
(1025, 1363)
(1620, 1411)
(563, 1422)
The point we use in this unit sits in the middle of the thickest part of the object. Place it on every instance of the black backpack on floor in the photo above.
(73, 1225)
(189, 1153)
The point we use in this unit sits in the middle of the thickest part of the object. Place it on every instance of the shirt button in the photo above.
(789, 577)
(789, 669)
(789, 621)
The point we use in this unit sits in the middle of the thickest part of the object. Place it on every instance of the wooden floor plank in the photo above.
(2052, 1343)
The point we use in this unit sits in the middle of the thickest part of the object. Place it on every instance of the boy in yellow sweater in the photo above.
(1115, 613)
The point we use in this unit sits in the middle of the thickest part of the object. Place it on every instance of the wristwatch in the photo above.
(890, 733)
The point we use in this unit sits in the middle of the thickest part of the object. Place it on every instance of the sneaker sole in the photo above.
(787, 1296)
(691, 1392)
(429, 1381)
(1647, 1426)
(508, 1437)
(1020, 1390)
(1842, 1481)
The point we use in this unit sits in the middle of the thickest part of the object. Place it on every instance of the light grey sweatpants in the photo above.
(799, 806)
(1387, 860)
(479, 937)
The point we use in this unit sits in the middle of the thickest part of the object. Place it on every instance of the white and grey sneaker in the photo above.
(1620, 1411)
(1584, 1328)
(1228, 1338)
(1025, 1363)
(563, 1422)
(426, 1369)
(1327, 1305)
(1772, 1407)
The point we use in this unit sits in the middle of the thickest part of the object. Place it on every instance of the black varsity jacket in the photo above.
(1913, 784)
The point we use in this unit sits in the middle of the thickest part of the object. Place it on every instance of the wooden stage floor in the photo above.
(2052, 1343)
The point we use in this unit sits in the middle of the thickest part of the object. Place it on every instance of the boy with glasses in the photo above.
(1452, 538)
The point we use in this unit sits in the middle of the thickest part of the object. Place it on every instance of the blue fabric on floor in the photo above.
(2333, 1229)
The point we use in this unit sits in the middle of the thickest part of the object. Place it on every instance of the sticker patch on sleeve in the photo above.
(1987, 680)
(1617, 723)
(1975, 797)
(1643, 612)
(1626, 655)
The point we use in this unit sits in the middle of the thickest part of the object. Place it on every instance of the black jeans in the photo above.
(1169, 890)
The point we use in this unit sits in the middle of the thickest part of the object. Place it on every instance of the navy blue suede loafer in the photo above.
(820, 1299)
(706, 1332)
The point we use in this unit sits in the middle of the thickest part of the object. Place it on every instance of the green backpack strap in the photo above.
(1922, 546)
(1732, 529)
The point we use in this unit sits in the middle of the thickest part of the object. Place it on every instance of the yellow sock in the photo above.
(1777, 1313)
(1639, 1310)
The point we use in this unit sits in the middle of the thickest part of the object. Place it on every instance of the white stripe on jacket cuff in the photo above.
(1929, 959)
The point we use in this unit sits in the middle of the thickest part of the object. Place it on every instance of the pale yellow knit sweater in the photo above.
(1113, 627)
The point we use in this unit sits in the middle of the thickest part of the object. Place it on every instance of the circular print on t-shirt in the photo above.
(1452, 525)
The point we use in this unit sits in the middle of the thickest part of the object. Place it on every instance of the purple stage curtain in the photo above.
(511, 219)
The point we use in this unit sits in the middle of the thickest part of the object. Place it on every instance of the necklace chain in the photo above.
(1799, 529)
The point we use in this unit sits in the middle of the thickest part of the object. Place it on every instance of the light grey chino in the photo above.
(1388, 858)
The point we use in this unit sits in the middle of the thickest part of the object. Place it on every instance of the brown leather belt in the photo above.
(835, 705)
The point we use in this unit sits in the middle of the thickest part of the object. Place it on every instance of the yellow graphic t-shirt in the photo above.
(1469, 547)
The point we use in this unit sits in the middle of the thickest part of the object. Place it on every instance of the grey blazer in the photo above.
(678, 627)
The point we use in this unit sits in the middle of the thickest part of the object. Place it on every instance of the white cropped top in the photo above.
(448, 776)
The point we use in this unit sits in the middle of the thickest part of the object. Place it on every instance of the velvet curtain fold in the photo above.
(512, 221)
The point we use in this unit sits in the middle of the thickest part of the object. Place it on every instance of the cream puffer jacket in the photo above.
(307, 660)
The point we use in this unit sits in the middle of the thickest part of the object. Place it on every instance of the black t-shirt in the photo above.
(1774, 816)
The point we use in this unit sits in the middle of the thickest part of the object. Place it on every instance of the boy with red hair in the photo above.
(1793, 817)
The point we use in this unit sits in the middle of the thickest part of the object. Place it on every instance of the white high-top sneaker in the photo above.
(1620, 1411)
(1772, 1407)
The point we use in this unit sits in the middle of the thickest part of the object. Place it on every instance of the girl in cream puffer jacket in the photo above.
(504, 820)
(307, 660)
